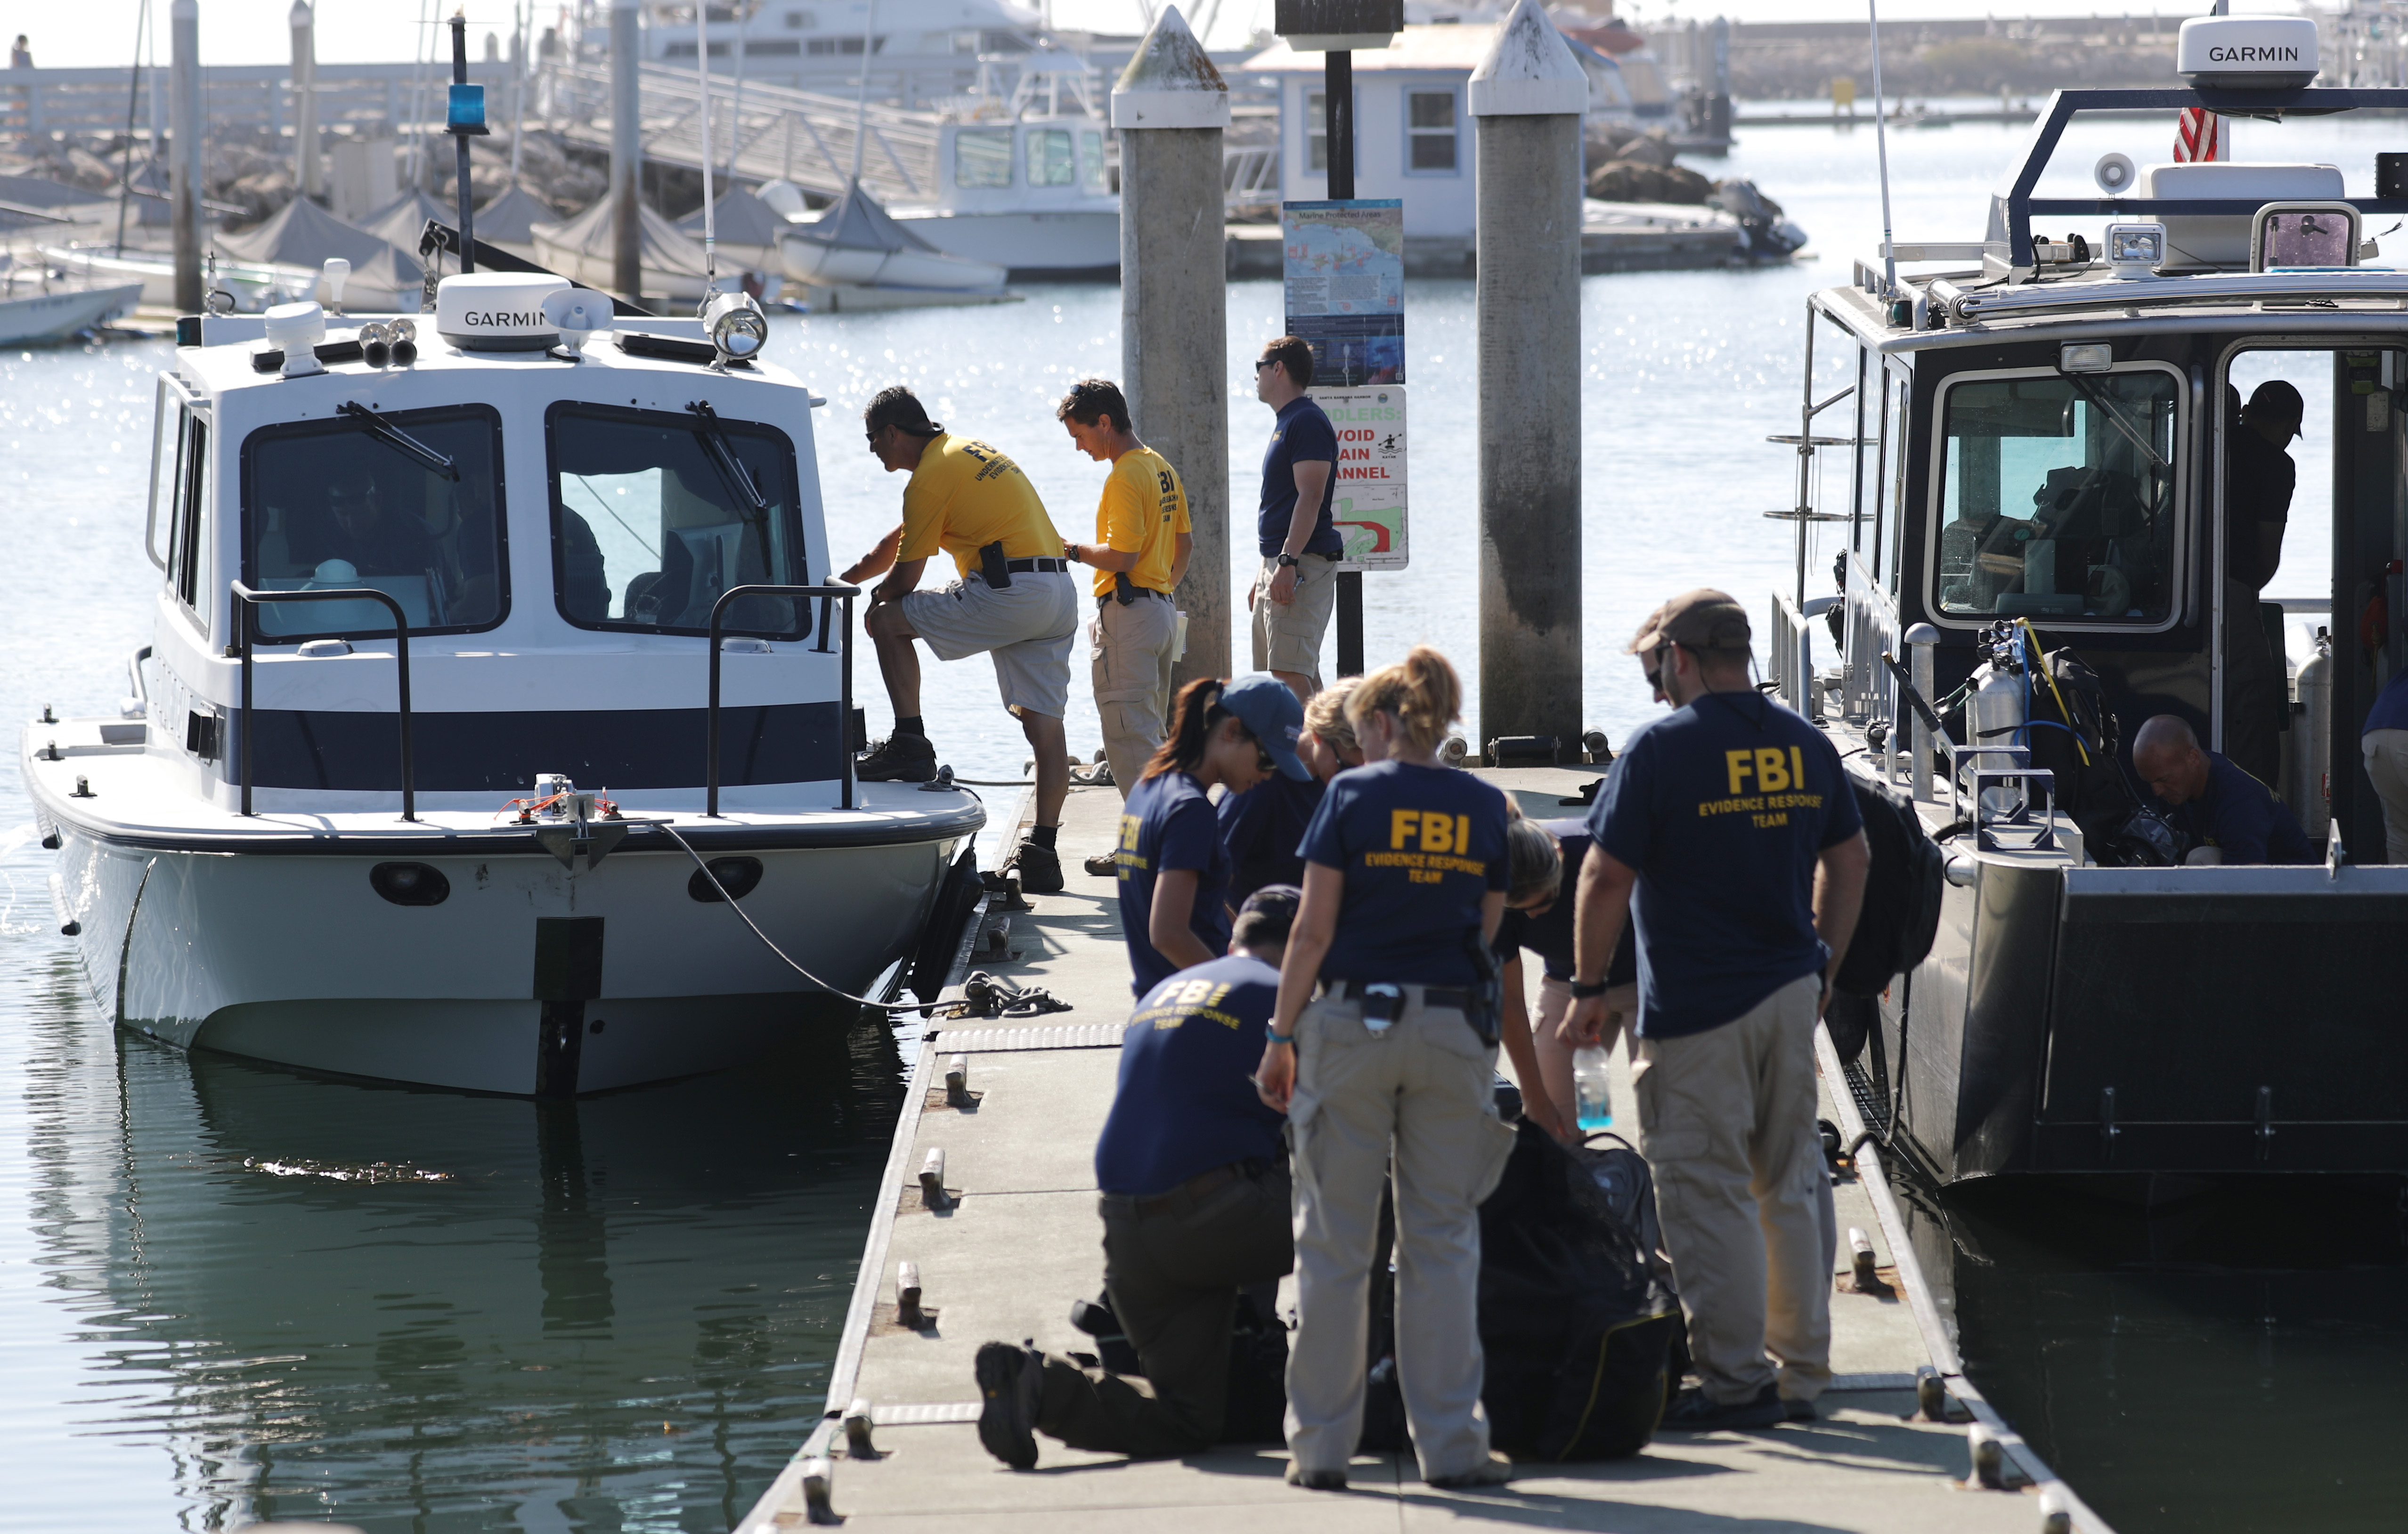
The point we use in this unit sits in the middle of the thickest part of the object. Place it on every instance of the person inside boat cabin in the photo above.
(2227, 815)
(1195, 1208)
(1014, 601)
(2258, 479)
(359, 530)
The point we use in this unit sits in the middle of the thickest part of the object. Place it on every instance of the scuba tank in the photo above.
(2311, 741)
(1994, 708)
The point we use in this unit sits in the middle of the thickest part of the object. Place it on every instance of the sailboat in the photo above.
(857, 243)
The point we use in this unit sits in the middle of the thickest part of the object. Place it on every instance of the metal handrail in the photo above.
(247, 602)
(844, 696)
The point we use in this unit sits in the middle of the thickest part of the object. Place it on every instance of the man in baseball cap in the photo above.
(1734, 824)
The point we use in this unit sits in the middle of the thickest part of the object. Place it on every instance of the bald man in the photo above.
(2227, 815)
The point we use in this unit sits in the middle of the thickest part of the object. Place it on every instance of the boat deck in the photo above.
(1020, 1241)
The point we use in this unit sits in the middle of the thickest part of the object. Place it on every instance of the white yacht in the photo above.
(421, 778)
(1022, 178)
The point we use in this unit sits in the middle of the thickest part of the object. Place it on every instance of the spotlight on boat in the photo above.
(2135, 249)
(737, 328)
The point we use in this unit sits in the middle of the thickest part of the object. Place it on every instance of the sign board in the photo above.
(1345, 269)
(1367, 497)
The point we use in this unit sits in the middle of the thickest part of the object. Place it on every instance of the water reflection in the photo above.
(2191, 1354)
(423, 1311)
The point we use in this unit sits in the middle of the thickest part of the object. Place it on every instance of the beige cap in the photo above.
(1704, 619)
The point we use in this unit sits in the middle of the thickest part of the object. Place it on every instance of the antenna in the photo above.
(861, 98)
(710, 215)
(1881, 143)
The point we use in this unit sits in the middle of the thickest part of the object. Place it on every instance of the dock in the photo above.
(1904, 1442)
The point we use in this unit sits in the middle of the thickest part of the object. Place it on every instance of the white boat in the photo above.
(33, 308)
(253, 286)
(585, 249)
(252, 861)
(1024, 181)
(854, 243)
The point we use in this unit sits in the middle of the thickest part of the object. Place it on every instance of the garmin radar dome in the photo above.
(497, 312)
(2247, 53)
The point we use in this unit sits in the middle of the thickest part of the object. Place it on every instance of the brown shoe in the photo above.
(1104, 866)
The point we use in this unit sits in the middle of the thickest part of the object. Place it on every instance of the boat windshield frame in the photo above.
(713, 436)
(371, 434)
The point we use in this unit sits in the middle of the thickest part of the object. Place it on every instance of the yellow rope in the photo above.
(2050, 677)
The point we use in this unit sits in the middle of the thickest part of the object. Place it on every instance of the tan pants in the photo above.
(1727, 1121)
(1422, 1088)
(1130, 647)
(2387, 763)
(1555, 1056)
(1287, 636)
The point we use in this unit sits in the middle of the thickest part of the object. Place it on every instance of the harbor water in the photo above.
(229, 1293)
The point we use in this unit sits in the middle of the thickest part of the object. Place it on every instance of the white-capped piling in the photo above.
(627, 150)
(1528, 97)
(1170, 108)
(184, 149)
(306, 158)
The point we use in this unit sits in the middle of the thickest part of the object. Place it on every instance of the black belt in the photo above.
(1102, 597)
(1037, 566)
(1432, 995)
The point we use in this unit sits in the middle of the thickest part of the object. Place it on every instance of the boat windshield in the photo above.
(655, 515)
(2056, 499)
(348, 502)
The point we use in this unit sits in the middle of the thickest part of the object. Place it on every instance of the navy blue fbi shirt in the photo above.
(2238, 816)
(1186, 1102)
(1550, 933)
(1301, 434)
(1419, 847)
(1264, 830)
(1723, 807)
(1168, 825)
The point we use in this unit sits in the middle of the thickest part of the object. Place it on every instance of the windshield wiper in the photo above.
(2113, 408)
(400, 441)
(713, 438)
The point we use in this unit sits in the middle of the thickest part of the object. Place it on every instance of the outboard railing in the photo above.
(844, 696)
(1868, 693)
(247, 603)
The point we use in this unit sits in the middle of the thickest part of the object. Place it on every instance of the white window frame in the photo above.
(1405, 98)
(2185, 518)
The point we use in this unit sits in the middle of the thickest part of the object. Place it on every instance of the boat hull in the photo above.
(37, 316)
(297, 960)
(1030, 246)
(819, 264)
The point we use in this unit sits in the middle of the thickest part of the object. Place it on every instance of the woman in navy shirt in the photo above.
(1404, 883)
(1264, 826)
(1172, 867)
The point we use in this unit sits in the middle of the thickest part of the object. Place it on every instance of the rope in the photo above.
(746, 918)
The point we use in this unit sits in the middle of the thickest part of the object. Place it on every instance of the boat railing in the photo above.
(827, 595)
(1249, 177)
(247, 603)
(1869, 686)
(1791, 661)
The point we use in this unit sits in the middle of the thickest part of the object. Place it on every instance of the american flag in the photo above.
(2197, 135)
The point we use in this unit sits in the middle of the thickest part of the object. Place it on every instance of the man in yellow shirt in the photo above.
(1015, 600)
(1142, 540)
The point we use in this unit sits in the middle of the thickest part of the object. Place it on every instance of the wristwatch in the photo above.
(1286, 561)
(1584, 989)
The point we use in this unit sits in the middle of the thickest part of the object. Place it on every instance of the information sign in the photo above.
(1345, 269)
(1367, 498)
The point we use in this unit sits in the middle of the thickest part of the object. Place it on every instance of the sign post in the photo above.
(1335, 28)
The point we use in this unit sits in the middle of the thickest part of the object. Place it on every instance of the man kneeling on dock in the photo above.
(1195, 1208)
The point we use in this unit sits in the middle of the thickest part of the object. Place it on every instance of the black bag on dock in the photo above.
(1576, 1328)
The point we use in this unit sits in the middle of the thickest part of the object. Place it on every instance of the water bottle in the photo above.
(1589, 1089)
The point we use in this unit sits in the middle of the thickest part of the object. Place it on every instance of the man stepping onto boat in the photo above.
(1143, 543)
(1014, 600)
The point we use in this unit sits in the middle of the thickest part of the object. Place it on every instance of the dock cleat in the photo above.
(897, 759)
(1009, 1380)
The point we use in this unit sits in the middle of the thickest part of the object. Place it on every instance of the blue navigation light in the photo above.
(468, 114)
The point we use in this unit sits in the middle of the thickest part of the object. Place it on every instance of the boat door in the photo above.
(2322, 584)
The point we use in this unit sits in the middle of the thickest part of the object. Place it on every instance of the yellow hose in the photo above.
(2050, 677)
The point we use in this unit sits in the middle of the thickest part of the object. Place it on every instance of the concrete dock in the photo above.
(1020, 1240)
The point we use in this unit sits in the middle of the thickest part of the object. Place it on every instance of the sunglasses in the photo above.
(1267, 362)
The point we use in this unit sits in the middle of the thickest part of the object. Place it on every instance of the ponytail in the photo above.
(1422, 692)
(1192, 719)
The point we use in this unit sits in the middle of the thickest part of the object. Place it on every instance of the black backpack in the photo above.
(2075, 736)
(1901, 915)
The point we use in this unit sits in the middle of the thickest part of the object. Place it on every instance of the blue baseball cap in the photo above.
(1269, 709)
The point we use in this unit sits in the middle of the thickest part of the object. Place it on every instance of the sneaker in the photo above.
(1495, 1473)
(1040, 870)
(1315, 1479)
(1104, 866)
(1798, 1411)
(1696, 1411)
(897, 759)
(1009, 1381)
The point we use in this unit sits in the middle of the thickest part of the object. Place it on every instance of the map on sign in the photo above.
(1367, 498)
(1345, 269)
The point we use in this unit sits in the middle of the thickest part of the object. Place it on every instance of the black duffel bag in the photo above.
(1901, 915)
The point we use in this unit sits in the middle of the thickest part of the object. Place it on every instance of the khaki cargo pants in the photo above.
(1727, 1121)
(1131, 649)
(1421, 1091)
